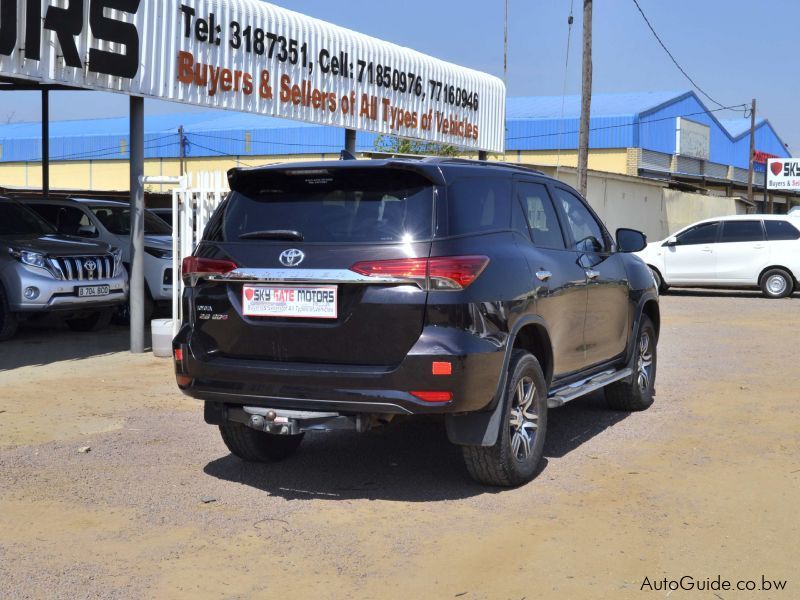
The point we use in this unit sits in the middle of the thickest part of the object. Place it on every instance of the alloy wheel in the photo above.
(645, 362)
(524, 419)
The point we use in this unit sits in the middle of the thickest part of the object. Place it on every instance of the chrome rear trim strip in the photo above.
(308, 276)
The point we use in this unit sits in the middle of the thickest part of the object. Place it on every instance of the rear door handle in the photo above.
(759, 246)
(543, 275)
(706, 249)
(592, 274)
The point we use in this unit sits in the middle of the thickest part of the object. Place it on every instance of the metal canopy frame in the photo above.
(136, 160)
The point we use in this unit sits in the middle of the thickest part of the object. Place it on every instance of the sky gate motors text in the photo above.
(67, 23)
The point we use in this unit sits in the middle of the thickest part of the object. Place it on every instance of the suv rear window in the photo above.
(332, 206)
(478, 204)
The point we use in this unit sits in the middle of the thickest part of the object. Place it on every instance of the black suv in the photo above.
(341, 295)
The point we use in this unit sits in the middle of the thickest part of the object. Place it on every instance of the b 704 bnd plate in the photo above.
(91, 291)
(301, 301)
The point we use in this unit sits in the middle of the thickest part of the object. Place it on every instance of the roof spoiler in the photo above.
(429, 171)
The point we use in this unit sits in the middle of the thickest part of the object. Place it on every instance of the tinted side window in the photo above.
(48, 212)
(586, 231)
(540, 215)
(781, 230)
(700, 234)
(476, 204)
(71, 220)
(741, 231)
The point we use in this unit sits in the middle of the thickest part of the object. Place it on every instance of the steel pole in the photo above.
(45, 143)
(137, 225)
(350, 141)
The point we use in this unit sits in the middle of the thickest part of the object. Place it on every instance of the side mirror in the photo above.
(671, 241)
(630, 240)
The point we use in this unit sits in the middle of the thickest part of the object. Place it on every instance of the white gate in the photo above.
(192, 206)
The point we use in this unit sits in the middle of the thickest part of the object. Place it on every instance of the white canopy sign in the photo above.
(251, 56)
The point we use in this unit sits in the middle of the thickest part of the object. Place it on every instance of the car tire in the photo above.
(258, 446)
(8, 320)
(514, 458)
(776, 283)
(662, 287)
(122, 314)
(637, 392)
(94, 322)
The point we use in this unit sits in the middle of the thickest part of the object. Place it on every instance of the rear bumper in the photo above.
(351, 389)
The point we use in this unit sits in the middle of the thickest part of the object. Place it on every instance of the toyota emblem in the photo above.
(90, 266)
(292, 257)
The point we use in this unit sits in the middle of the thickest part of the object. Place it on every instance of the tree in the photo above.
(392, 144)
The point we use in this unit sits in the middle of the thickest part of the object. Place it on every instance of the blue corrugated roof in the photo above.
(626, 120)
(737, 127)
(603, 105)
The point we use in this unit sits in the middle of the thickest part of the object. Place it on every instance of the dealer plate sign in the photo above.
(309, 302)
(783, 174)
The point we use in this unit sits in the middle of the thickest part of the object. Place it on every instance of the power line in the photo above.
(702, 112)
(680, 68)
(221, 153)
(266, 142)
(99, 151)
(570, 20)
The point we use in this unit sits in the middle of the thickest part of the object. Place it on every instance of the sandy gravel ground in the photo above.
(705, 483)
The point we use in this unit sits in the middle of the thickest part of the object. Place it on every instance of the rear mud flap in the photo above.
(475, 428)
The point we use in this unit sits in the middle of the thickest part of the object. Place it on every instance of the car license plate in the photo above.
(309, 302)
(90, 291)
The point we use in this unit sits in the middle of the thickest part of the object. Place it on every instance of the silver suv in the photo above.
(42, 271)
(110, 221)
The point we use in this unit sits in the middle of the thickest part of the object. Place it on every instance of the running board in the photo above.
(561, 396)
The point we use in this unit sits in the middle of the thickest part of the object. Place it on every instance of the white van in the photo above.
(740, 251)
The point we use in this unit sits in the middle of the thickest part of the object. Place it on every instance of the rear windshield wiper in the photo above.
(273, 234)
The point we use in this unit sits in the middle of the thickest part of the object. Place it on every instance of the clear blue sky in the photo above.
(734, 49)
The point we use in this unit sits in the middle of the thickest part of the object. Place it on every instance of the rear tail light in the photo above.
(196, 265)
(437, 273)
(430, 396)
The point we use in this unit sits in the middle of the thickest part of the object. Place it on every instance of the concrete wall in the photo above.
(647, 205)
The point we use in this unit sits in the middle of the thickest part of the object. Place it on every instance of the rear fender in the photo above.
(481, 428)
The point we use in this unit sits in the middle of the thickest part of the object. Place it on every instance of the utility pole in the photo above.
(753, 155)
(45, 143)
(586, 98)
(182, 150)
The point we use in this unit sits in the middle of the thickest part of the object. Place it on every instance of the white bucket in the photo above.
(162, 337)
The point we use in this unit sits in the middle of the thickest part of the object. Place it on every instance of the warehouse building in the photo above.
(668, 136)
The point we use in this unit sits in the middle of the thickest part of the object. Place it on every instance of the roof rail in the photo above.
(486, 163)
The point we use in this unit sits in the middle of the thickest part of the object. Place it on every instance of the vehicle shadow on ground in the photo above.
(48, 341)
(410, 461)
(709, 293)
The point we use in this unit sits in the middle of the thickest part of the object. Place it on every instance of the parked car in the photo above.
(742, 251)
(43, 272)
(165, 214)
(342, 295)
(109, 221)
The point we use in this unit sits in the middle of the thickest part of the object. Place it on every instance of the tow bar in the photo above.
(294, 422)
